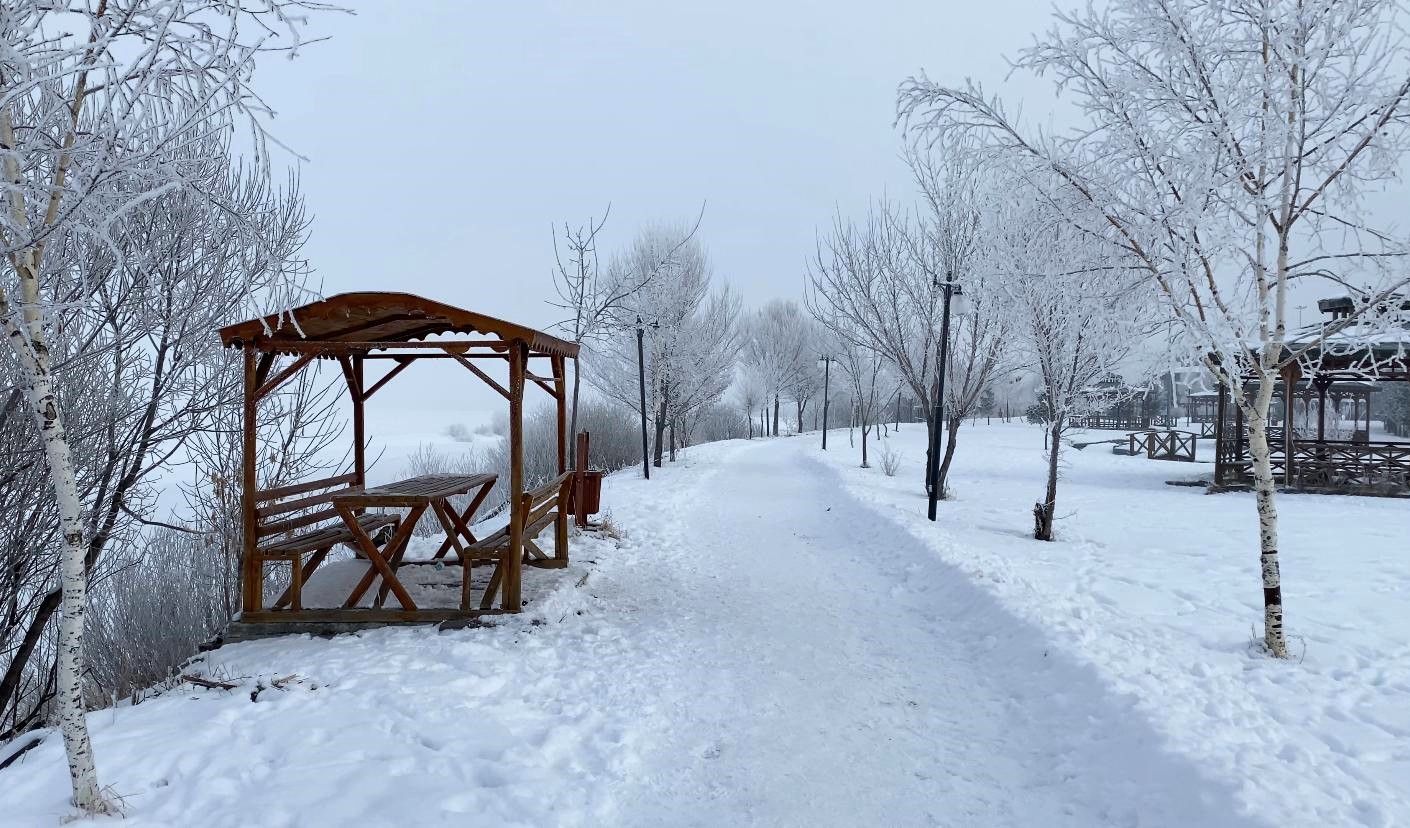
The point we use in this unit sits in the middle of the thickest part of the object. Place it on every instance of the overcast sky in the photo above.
(444, 138)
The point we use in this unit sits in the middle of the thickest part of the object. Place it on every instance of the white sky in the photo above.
(444, 138)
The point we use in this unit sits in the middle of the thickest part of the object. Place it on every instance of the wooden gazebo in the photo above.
(374, 337)
(1202, 408)
(1311, 451)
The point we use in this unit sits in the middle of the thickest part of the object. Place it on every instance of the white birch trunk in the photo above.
(1263, 493)
(29, 347)
(26, 338)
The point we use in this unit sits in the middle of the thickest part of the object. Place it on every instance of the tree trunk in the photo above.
(660, 432)
(32, 352)
(865, 429)
(952, 427)
(775, 415)
(801, 406)
(1043, 512)
(72, 577)
(1263, 494)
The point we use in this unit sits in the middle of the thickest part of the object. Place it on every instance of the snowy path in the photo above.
(834, 672)
(763, 650)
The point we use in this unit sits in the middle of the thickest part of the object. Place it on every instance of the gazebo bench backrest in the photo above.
(289, 508)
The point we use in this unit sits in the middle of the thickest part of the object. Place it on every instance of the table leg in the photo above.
(379, 564)
(394, 552)
(462, 521)
(444, 512)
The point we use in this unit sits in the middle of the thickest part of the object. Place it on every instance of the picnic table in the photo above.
(429, 491)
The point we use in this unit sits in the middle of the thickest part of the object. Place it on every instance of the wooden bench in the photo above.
(535, 511)
(299, 519)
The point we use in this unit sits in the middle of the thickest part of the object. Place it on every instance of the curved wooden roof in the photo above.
(354, 318)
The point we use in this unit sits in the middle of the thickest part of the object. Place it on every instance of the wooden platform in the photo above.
(251, 626)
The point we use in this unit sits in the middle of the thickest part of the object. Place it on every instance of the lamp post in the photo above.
(952, 290)
(641, 381)
(827, 382)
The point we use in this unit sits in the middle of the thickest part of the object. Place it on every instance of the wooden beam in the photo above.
(433, 355)
(547, 388)
(490, 381)
(361, 615)
(402, 362)
(283, 376)
(266, 361)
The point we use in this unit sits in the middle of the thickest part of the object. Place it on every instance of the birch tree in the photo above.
(97, 102)
(1225, 147)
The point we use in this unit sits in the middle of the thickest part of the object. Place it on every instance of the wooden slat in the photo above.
(267, 529)
(295, 505)
(279, 492)
(540, 517)
(330, 535)
(548, 488)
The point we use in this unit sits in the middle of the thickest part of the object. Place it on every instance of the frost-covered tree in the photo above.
(877, 283)
(779, 350)
(1224, 149)
(1074, 316)
(596, 298)
(99, 103)
(692, 338)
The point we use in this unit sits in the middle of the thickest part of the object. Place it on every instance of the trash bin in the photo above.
(592, 493)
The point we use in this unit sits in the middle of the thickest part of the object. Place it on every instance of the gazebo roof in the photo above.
(350, 319)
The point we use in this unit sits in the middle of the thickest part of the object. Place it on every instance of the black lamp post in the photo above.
(951, 289)
(641, 381)
(827, 382)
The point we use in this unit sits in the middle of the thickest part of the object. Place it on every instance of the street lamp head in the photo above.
(960, 303)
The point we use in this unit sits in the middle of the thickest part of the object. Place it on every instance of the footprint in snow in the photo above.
(712, 752)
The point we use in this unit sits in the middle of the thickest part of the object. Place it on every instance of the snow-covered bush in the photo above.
(890, 459)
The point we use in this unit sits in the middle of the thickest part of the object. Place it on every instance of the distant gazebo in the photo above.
(1202, 409)
(1320, 430)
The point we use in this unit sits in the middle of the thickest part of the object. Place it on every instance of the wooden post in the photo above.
(1321, 411)
(560, 523)
(579, 480)
(560, 390)
(1220, 410)
(252, 568)
(1289, 389)
(355, 389)
(513, 565)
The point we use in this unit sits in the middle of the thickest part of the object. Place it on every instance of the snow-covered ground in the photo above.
(782, 639)
(1157, 587)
